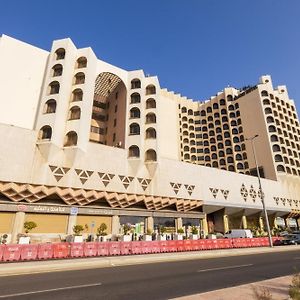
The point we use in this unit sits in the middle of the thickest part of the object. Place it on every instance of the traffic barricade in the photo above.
(201, 244)
(172, 246)
(209, 244)
(90, 249)
(61, 250)
(146, 247)
(136, 247)
(163, 245)
(76, 249)
(29, 252)
(155, 247)
(114, 248)
(180, 246)
(195, 245)
(125, 248)
(12, 252)
(103, 248)
(187, 245)
(1, 251)
(221, 243)
(215, 244)
(45, 251)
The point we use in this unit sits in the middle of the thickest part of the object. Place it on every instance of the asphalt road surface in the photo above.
(151, 281)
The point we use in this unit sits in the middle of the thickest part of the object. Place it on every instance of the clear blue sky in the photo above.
(195, 47)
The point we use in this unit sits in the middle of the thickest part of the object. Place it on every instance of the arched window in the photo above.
(183, 109)
(150, 155)
(215, 106)
(184, 119)
(134, 151)
(193, 150)
(222, 102)
(60, 53)
(223, 111)
(79, 78)
(54, 87)
(266, 102)
(212, 140)
(151, 134)
(71, 139)
(226, 134)
(186, 156)
(276, 148)
(77, 95)
(75, 113)
(268, 110)
(209, 110)
(135, 113)
(185, 133)
(134, 129)
(150, 89)
(50, 107)
(193, 158)
(193, 142)
(186, 148)
(238, 157)
(264, 94)
(222, 162)
(270, 119)
(57, 70)
(191, 127)
(81, 62)
(150, 103)
(135, 84)
(150, 118)
(228, 151)
(185, 140)
(191, 121)
(190, 112)
(45, 133)
(231, 168)
(240, 166)
(135, 98)
(225, 127)
(278, 158)
(192, 135)
(233, 123)
(234, 131)
(216, 115)
(224, 119)
(230, 159)
(237, 148)
(232, 115)
(203, 113)
(236, 139)
(230, 107)
(272, 128)
(213, 148)
(220, 146)
(215, 164)
(229, 98)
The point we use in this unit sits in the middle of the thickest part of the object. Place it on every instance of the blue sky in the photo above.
(195, 47)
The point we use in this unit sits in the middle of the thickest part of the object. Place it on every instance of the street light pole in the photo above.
(261, 191)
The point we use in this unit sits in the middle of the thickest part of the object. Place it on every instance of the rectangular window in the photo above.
(115, 122)
(114, 137)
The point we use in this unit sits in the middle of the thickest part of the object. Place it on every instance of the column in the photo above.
(71, 223)
(226, 223)
(115, 225)
(178, 223)
(204, 226)
(261, 223)
(244, 222)
(18, 225)
(149, 224)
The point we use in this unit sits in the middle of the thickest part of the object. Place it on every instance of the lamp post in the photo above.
(260, 188)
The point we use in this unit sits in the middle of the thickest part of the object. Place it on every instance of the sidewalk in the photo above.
(30, 267)
(278, 288)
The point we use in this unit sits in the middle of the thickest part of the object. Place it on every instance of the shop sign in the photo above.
(292, 222)
(22, 207)
(49, 209)
(74, 211)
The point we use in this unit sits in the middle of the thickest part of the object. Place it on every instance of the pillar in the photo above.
(244, 222)
(71, 223)
(149, 224)
(18, 225)
(115, 226)
(178, 223)
(204, 226)
(261, 223)
(226, 223)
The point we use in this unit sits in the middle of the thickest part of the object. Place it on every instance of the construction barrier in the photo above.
(90, 249)
(12, 252)
(76, 249)
(103, 249)
(61, 250)
(136, 247)
(45, 251)
(1, 251)
(180, 246)
(29, 252)
(125, 248)
(155, 247)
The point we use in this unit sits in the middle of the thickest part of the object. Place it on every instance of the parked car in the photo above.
(238, 233)
(291, 239)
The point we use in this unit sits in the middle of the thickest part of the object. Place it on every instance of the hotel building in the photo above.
(85, 142)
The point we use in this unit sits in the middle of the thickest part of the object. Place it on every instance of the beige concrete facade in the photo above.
(113, 144)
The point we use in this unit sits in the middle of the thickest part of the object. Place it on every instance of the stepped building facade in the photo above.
(85, 142)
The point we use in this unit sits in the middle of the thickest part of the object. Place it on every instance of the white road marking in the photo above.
(224, 268)
(50, 290)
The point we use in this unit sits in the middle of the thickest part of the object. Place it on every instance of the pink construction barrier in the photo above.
(61, 250)
(163, 246)
(136, 247)
(1, 251)
(146, 247)
(103, 248)
(29, 252)
(45, 251)
(90, 249)
(154, 247)
(76, 249)
(180, 246)
(187, 245)
(125, 248)
(114, 248)
(12, 252)
(172, 246)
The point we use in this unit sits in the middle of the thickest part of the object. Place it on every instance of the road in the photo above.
(151, 281)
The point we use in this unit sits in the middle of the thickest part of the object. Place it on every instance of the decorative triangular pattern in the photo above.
(176, 187)
(225, 193)
(289, 202)
(276, 199)
(106, 178)
(144, 182)
(252, 193)
(189, 188)
(58, 172)
(244, 192)
(283, 200)
(214, 192)
(126, 180)
(83, 175)
(295, 202)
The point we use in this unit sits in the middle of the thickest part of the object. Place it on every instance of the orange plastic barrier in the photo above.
(1, 251)
(103, 248)
(114, 248)
(125, 248)
(90, 249)
(29, 252)
(136, 247)
(76, 249)
(180, 246)
(45, 251)
(12, 252)
(61, 250)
